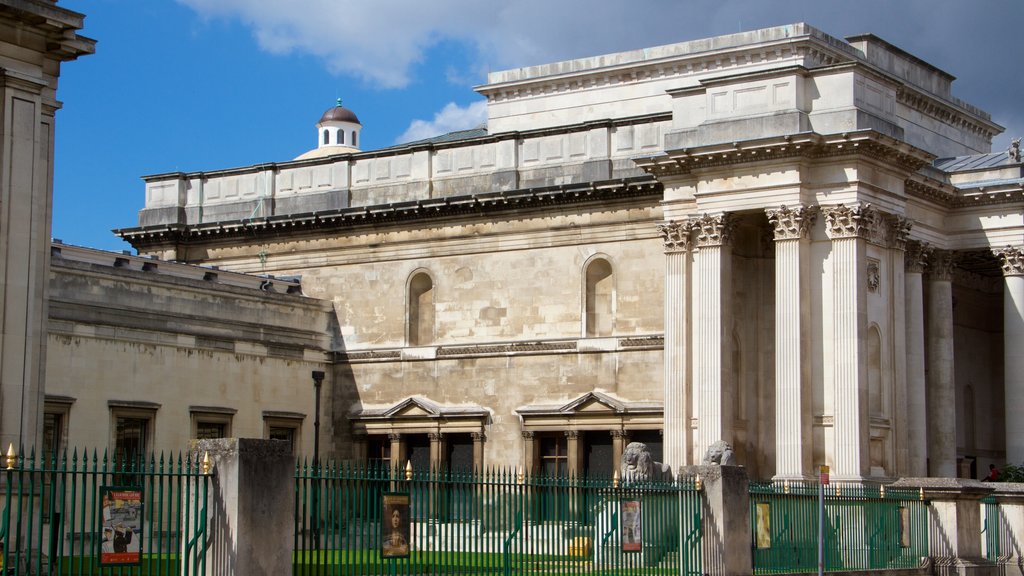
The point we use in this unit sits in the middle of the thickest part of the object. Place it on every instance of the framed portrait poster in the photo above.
(120, 527)
(630, 526)
(394, 525)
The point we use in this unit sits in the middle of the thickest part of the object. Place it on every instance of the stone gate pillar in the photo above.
(251, 507)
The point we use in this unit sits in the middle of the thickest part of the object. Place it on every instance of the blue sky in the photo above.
(195, 85)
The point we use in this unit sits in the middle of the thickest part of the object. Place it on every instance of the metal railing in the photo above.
(990, 528)
(53, 519)
(493, 522)
(866, 528)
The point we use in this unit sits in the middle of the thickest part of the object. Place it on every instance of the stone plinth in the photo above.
(727, 536)
(954, 515)
(1010, 497)
(250, 511)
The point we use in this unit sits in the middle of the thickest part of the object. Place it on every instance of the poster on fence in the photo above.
(120, 526)
(394, 525)
(630, 526)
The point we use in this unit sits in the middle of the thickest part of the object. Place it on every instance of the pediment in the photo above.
(413, 407)
(594, 403)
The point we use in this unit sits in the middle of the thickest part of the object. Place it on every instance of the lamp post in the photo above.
(318, 379)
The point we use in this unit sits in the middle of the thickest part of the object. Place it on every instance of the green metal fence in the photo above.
(990, 531)
(54, 519)
(349, 519)
(866, 528)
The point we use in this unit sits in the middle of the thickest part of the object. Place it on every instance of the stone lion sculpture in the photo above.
(639, 466)
(720, 453)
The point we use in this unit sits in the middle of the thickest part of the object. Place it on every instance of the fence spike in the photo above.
(12, 458)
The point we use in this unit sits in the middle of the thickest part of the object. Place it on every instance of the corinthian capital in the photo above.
(792, 223)
(941, 263)
(916, 258)
(714, 230)
(676, 235)
(1012, 260)
(900, 230)
(844, 221)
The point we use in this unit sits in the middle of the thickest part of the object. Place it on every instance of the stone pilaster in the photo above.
(397, 451)
(713, 386)
(941, 383)
(478, 450)
(618, 445)
(1013, 335)
(677, 399)
(572, 452)
(848, 228)
(529, 451)
(915, 260)
(793, 452)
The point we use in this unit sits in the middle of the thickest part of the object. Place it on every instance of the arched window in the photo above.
(327, 137)
(341, 136)
(354, 144)
(421, 310)
(600, 298)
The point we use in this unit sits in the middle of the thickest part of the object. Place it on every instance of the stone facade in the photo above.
(797, 244)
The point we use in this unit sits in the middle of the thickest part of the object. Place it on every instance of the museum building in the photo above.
(801, 245)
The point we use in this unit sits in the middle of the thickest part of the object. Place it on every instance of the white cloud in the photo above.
(383, 41)
(451, 118)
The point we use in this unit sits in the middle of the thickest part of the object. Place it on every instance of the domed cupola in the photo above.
(337, 132)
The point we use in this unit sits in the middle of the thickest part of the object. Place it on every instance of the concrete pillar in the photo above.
(1013, 340)
(941, 383)
(677, 398)
(954, 515)
(847, 227)
(726, 530)
(792, 319)
(712, 306)
(916, 408)
(251, 504)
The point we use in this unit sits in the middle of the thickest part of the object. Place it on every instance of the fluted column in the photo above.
(792, 318)
(847, 227)
(1013, 337)
(941, 383)
(677, 410)
(713, 386)
(917, 411)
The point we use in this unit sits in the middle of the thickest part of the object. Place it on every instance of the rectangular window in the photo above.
(55, 421)
(209, 422)
(285, 426)
(131, 426)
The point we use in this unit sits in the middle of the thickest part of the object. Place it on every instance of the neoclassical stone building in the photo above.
(799, 244)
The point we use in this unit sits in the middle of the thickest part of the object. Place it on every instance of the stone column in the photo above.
(572, 452)
(478, 450)
(677, 407)
(397, 452)
(793, 452)
(1013, 341)
(954, 515)
(618, 445)
(529, 451)
(941, 383)
(252, 499)
(436, 449)
(917, 411)
(713, 385)
(847, 227)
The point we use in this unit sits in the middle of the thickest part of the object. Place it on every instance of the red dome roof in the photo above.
(339, 114)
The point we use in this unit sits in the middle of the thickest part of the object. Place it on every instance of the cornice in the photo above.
(503, 349)
(950, 196)
(808, 145)
(396, 213)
